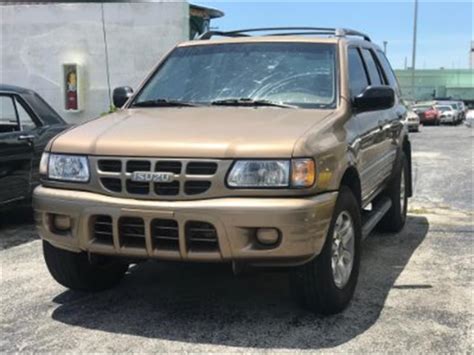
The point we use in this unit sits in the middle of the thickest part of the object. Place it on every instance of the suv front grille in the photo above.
(196, 187)
(102, 229)
(132, 232)
(168, 167)
(167, 189)
(138, 165)
(201, 236)
(111, 166)
(112, 184)
(138, 188)
(198, 168)
(164, 234)
(192, 178)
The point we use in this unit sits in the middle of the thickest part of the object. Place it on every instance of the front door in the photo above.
(15, 153)
(377, 152)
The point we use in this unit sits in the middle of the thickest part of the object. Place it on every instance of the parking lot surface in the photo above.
(415, 291)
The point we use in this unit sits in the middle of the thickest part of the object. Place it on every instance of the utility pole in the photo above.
(385, 47)
(413, 59)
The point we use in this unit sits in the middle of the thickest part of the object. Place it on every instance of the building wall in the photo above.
(455, 83)
(37, 39)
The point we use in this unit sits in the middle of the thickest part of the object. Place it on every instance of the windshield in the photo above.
(296, 74)
(444, 108)
(422, 108)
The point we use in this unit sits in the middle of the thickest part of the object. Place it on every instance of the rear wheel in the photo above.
(397, 191)
(326, 284)
(77, 272)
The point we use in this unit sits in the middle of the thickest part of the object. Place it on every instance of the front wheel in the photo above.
(77, 272)
(326, 284)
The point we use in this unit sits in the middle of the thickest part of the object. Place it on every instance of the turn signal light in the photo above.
(303, 173)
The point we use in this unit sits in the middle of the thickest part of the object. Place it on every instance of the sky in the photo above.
(445, 28)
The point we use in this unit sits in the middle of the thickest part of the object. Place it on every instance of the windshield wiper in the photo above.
(249, 102)
(163, 103)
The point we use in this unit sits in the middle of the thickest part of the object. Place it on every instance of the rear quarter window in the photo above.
(357, 77)
(389, 74)
(372, 67)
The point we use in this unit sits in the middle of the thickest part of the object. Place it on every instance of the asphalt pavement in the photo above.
(415, 291)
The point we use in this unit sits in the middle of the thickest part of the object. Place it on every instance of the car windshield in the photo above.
(292, 74)
(422, 108)
(443, 108)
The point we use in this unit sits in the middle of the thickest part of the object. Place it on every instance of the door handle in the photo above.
(26, 137)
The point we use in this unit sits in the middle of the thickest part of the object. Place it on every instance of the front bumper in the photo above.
(302, 224)
(412, 125)
(447, 119)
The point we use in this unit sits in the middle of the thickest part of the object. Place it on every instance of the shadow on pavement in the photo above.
(205, 304)
(16, 226)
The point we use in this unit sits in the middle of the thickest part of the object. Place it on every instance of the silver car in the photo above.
(412, 121)
(448, 114)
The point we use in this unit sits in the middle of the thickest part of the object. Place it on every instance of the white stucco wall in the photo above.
(37, 39)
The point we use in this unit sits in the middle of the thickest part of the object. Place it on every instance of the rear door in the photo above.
(16, 150)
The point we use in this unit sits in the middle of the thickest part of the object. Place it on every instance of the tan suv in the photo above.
(282, 150)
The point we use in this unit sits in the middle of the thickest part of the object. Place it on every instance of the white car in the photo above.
(469, 119)
(456, 107)
(448, 114)
(412, 121)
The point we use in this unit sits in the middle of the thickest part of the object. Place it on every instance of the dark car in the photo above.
(27, 123)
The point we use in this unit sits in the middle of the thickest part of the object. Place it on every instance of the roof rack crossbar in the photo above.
(288, 31)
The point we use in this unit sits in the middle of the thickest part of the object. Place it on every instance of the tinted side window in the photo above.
(357, 76)
(374, 73)
(392, 79)
(26, 122)
(8, 118)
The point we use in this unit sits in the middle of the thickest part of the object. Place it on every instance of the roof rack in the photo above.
(287, 31)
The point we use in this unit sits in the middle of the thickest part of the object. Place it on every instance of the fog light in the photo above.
(61, 222)
(268, 236)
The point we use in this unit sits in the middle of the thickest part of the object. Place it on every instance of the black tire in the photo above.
(395, 218)
(74, 270)
(313, 284)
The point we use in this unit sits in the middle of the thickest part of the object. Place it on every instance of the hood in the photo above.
(194, 132)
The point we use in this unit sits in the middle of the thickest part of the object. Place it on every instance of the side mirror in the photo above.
(121, 95)
(374, 98)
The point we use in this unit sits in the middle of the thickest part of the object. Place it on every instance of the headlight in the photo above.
(272, 173)
(64, 167)
(260, 173)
